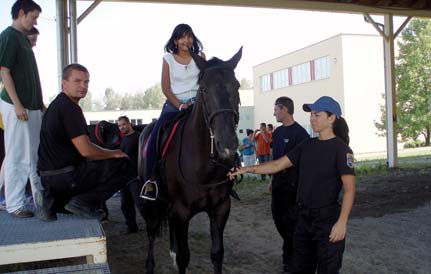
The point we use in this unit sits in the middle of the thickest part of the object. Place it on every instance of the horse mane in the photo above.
(213, 62)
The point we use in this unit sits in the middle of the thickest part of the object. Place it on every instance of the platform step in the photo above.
(73, 269)
(31, 240)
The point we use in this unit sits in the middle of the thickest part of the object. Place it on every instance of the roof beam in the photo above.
(420, 8)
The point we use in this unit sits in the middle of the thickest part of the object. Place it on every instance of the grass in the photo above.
(379, 166)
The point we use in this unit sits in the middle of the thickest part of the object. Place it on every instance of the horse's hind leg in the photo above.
(218, 219)
(181, 230)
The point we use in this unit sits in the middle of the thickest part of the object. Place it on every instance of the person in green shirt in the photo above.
(21, 106)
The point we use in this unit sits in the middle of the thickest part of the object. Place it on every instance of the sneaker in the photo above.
(80, 209)
(22, 213)
(150, 194)
(44, 204)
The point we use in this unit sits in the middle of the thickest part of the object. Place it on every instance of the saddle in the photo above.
(164, 139)
(167, 131)
(107, 134)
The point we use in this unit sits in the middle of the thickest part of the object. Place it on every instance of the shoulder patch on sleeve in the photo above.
(350, 160)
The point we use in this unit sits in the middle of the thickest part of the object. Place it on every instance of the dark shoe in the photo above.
(150, 195)
(131, 229)
(81, 209)
(22, 213)
(44, 203)
(286, 269)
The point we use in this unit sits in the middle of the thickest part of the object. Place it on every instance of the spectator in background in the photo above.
(32, 36)
(130, 193)
(248, 152)
(263, 139)
(270, 128)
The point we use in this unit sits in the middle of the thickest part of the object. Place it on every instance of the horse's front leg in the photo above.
(181, 231)
(173, 244)
(218, 219)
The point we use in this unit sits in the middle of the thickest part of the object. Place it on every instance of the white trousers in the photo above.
(21, 146)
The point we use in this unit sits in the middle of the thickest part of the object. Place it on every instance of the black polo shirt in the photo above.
(284, 139)
(321, 165)
(129, 145)
(62, 121)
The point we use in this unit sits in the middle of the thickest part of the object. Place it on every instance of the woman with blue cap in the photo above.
(325, 165)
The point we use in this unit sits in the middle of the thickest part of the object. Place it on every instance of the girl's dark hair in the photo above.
(180, 31)
(341, 130)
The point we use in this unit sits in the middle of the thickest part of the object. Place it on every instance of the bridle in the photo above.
(209, 117)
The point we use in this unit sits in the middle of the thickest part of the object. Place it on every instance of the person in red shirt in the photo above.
(263, 140)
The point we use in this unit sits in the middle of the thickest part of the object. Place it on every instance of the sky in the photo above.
(122, 44)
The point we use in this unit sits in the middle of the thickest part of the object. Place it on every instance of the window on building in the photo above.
(322, 67)
(281, 78)
(301, 73)
(265, 82)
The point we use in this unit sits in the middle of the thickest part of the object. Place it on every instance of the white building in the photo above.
(347, 67)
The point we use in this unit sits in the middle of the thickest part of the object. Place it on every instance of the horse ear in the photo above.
(235, 59)
(200, 62)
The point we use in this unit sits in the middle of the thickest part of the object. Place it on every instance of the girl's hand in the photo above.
(234, 172)
(338, 232)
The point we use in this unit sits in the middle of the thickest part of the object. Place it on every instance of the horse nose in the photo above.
(225, 152)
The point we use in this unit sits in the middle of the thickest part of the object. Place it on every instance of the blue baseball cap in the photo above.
(324, 103)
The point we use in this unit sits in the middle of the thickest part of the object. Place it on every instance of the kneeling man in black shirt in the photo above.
(76, 174)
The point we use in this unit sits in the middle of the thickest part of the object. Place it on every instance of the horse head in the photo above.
(219, 97)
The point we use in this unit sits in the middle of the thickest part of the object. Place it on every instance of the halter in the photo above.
(208, 118)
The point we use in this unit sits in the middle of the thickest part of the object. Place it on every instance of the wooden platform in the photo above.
(30, 240)
(74, 269)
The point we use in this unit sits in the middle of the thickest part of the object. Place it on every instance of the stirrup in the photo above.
(143, 193)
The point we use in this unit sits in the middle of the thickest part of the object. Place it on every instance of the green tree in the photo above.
(111, 99)
(245, 83)
(86, 103)
(154, 98)
(413, 83)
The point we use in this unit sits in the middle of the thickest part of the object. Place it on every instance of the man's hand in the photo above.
(21, 112)
(119, 154)
(338, 232)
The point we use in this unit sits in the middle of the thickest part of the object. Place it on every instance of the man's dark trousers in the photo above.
(90, 183)
(284, 213)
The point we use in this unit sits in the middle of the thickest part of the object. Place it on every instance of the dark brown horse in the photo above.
(196, 162)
